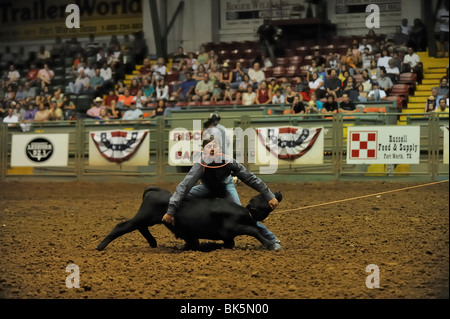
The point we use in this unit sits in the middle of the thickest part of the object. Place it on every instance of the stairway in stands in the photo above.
(434, 70)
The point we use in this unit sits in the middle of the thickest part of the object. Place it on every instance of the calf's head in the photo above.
(259, 208)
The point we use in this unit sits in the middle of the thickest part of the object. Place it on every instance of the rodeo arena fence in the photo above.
(267, 140)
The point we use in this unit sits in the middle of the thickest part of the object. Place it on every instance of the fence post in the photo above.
(337, 144)
(433, 145)
(3, 151)
(160, 138)
(79, 148)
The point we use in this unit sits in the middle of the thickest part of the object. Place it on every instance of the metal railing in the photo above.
(334, 165)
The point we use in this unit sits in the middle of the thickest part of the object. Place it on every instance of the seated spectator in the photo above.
(320, 61)
(366, 81)
(349, 61)
(384, 59)
(19, 93)
(330, 106)
(278, 98)
(411, 63)
(237, 76)
(135, 86)
(43, 55)
(94, 111)
(110, 103)
(393, 72)
(316, 84)
(96, 84)
(45, 75)
(214, 74)
(148, 90)
(185, 89)
(171, 107)
(203, 56)
(228, 93)
(377, 94)
(314, 105)
(273, 85)
(106, 74)
(347, 106)
(366, 58)
(10, 94)
(263, 94)
(13, 76)
(159, 71)
(364, 45)
(133, 113)
(333, 85)
(244, 84)
(103, 116)
(298, 107)
(362, 95)
(10, 118)
(384, 81)
(125, 99)
(30, 112)
(146, 70)
(19, 110)
(179, 56)
(283, 86)
(199, 72)
(32, 75)
(373, 70)
(435, 94)
(431, 104)
(216, 92)
(162, 90)
(256, 75)
(203, 89)
(141, 99)
(29, 93)
(42, 114)
(249, 97)
(192, 62)
(160, 108)
(55, 113)
(443, 87)
(443, 107)
(225, 75)
(332, 62)
(289, 94)
(81, 85)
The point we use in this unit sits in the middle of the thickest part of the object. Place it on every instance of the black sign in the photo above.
(39, 150)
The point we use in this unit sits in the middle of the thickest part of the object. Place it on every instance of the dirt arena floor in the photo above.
(44, 227)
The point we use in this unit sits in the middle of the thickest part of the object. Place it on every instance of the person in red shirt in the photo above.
(134, 87)
(111, 103)
(263, 94)
(32, 75)
(146, 70)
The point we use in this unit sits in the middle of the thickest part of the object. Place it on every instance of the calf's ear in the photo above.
(279, 196)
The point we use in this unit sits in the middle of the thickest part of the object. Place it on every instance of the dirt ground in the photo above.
(44, 227)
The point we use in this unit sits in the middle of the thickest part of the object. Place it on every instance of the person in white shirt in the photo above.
(11, 118)
(383, 60)
(278, 98)
(256, 74)
(249, 97)
(162, 91)
(159, 71)
(316, 83)
(376, 94)
(405, 27)
(133, 113)
(411, 63)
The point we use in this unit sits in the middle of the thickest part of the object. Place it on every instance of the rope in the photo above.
(358, 197)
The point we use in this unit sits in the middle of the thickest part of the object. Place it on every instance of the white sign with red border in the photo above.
(383, 145)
